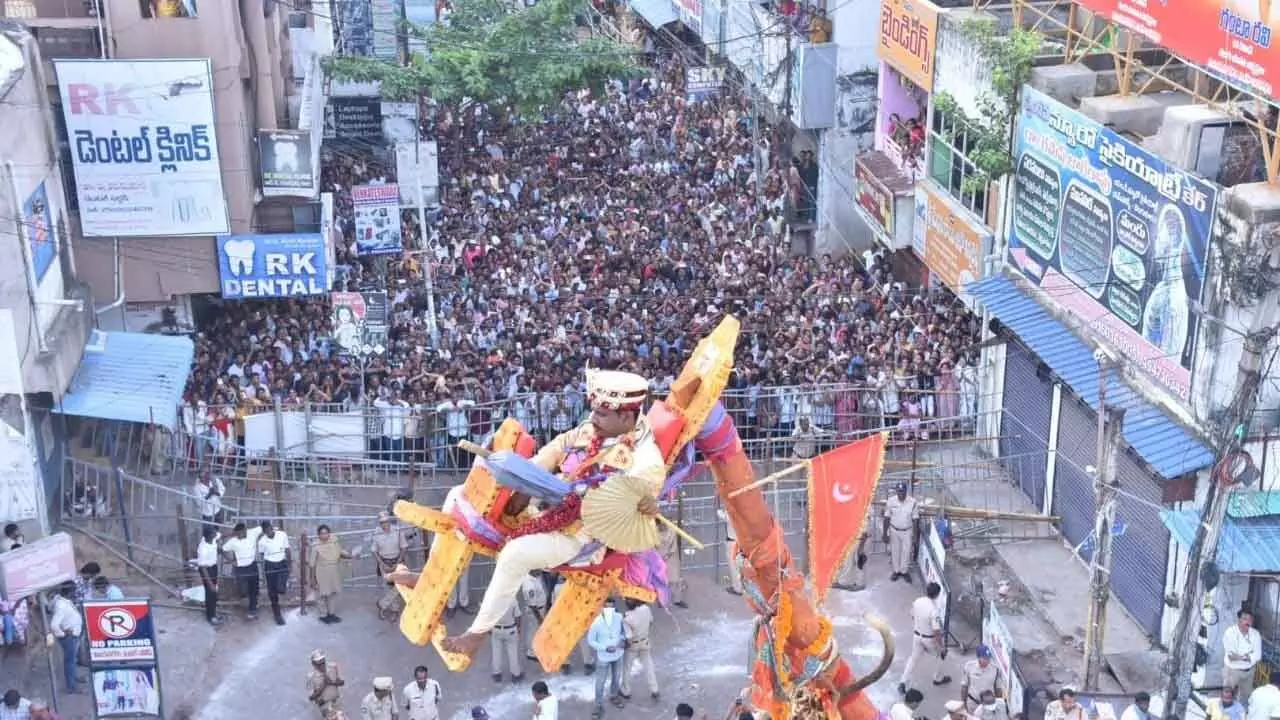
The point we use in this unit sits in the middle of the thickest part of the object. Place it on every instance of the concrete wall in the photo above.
(50, 330)
(840, 228)
(251, 68)
(960, 70)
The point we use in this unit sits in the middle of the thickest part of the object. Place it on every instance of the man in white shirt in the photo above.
(208, 493)
(735, 574)
(66, 626)
(243, 549)
(1265, 701)
(421, 698)
(207, 566)
(1242, 645)
(457, 425)
(545, 705)
(669, 546)
(926, 637)
(637, 624)
(277, 556)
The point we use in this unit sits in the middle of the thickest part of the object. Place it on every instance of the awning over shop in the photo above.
(135, 377)
(1245, 546)
(1165, 445)
(655, 12)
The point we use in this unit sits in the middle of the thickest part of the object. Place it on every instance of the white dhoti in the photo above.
(516, 560)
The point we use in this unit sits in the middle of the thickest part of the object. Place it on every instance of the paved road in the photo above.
(701, 659)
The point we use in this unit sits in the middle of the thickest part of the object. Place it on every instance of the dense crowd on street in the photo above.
(613, 233)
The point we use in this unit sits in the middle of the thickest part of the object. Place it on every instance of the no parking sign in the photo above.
(122, 655)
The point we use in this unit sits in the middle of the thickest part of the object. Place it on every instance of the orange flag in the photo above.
(842, 484)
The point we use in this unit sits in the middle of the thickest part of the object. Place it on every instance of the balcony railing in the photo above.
(911, 164)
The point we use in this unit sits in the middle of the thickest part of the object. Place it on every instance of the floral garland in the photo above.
(782, 631)
(569, 510)
(819, 644)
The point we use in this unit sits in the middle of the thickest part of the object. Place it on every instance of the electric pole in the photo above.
(1204, 549)
(1110, 423)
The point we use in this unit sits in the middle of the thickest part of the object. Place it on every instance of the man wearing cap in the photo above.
(900, 515)
(980, 675)
(388, 544)
(324, 683)
(379, 704)
(614, 440)
(955, 711)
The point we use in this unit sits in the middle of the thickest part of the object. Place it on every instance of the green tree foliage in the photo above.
(1012, 56)
(499, 51)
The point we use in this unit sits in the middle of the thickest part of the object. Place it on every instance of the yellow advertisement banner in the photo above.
(947, 241)
(908, 38)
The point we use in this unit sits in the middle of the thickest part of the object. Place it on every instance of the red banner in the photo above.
(1232, 38)
(842, 483)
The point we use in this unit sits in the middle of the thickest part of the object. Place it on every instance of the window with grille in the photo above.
(949, 164)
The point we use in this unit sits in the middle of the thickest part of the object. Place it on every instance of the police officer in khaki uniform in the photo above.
(978, 676)
(900, 515)
(380, 704)
(637, 627)
(504, 640)
(533, 595)
(669, 546)
(388, 544)
(926, 637)
(324, 683)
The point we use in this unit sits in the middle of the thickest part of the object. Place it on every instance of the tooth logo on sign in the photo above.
(239, 251)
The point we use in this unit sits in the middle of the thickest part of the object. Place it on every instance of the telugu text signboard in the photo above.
(1112, 233)
(377, 219)
(1232, 38)
(908, 38)
(144, 146)
(272, 266)
(875, 199)
(946, 239)
(45, 563)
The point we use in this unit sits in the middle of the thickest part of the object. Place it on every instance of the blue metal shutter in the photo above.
(1024, 425)
(1140, 556)
(1072, 486)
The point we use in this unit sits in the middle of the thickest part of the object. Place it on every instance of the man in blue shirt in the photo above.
(606, 638)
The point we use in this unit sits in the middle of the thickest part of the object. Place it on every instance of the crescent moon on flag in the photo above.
(841, 495)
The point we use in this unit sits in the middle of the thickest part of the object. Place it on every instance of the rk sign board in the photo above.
(272, 266)
(119, 631)
(144, 146)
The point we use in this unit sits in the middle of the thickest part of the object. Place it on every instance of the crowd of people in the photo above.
(615, 232)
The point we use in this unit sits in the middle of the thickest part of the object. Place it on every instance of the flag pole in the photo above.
(802, 465)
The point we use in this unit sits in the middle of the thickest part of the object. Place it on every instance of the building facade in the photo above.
(45, 314)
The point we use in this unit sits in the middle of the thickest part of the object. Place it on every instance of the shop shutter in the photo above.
(1140, 557)
(1072, 486)
(1024, 425)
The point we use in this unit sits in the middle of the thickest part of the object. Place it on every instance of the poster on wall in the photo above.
(1112, 233)
(144, 146)
(995, 635)
(123, 659)
(1231, 38)
(37, 222)
(950, 243)
(377, 219)
(418, 166)
(875, 199)
(359, 322)
(285, 158)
